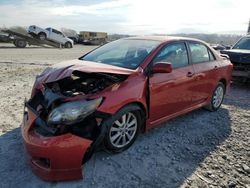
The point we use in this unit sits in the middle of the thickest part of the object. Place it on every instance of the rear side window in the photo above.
(57, 32)
(199, 53)
(176, 54)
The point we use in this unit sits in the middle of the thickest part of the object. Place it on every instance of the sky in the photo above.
(135, 17)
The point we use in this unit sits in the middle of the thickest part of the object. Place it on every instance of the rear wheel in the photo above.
(217, 97)
(20, 43)
(123, 130)
(68, 45)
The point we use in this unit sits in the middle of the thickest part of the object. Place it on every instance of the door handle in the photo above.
(190, 74)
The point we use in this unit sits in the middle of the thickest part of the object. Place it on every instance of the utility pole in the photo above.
(248, 31)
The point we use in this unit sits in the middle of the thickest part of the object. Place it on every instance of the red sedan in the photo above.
(113, 93)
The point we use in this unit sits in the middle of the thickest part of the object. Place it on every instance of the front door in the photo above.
(171, 93)
(57, 36)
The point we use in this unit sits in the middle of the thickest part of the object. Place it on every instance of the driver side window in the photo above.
(176, 54)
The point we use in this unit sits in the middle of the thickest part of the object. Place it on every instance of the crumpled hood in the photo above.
(65, 69)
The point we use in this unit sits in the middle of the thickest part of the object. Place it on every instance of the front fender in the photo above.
(132, 90)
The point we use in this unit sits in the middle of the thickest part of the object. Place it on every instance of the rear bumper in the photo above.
(53, 158)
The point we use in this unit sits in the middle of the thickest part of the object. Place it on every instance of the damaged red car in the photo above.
(107, 97)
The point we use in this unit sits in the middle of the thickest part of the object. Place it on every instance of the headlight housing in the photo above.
(73, 112)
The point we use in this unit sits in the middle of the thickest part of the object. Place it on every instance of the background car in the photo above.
(240, 57)
(113, 93)
(51, 34)
(5, 37)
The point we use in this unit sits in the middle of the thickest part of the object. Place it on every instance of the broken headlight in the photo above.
(73, 112)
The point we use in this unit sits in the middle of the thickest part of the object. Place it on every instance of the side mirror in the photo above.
(162, 67)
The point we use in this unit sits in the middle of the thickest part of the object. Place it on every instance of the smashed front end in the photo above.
(61, 126)
(241, 63)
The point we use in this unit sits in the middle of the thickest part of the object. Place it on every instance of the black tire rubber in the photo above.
(20, 43)
(133, 108)
(211, 107)
(68, 45)
(42, 36)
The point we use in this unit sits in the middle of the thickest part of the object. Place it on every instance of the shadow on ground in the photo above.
(164, 156)
(239, 96)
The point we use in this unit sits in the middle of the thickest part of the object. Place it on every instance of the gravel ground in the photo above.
(199, 149)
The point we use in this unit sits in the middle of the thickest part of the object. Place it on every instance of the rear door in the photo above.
(206, 71)
(171, 93)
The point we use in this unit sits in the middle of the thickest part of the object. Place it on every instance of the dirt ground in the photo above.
(199, 149)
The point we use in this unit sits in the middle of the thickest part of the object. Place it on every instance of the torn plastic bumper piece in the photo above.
(54, 158)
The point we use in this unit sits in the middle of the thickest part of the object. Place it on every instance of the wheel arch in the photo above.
(224, 81)
(136, 105)
(226, 84)
(42, 32)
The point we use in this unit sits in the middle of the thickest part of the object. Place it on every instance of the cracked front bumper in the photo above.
(53, 158)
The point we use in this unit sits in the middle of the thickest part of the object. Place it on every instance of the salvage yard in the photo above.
(199, 149)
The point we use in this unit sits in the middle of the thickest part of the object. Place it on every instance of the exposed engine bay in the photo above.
(54, 97)
(81, 83)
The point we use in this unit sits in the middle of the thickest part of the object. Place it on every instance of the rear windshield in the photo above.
(126, 53)
(243, 43)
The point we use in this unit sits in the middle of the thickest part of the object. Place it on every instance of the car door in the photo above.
(51, 34)
(60, 37)
(171, 93)
(206, 71)
(55, 36)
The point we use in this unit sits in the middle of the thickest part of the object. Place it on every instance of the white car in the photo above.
(51, 34)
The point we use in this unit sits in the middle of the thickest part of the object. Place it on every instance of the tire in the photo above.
(217, 97)
(68, 45)
(19, 43)
(123, 129)
(42, 36)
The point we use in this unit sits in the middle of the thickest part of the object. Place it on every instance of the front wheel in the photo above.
(123, 130)
(42, 36)
(217, 97)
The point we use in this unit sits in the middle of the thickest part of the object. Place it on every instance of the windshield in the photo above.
(127, 53)
(243, 43)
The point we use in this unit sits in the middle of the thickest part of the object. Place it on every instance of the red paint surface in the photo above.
(65, 152)
(161, 95)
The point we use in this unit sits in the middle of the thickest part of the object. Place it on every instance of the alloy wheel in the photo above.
(218, 96)
(123, 130)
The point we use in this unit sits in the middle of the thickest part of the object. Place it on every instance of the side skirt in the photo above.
(151, 124)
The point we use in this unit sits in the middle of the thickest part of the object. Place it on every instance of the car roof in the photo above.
(163, 38)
